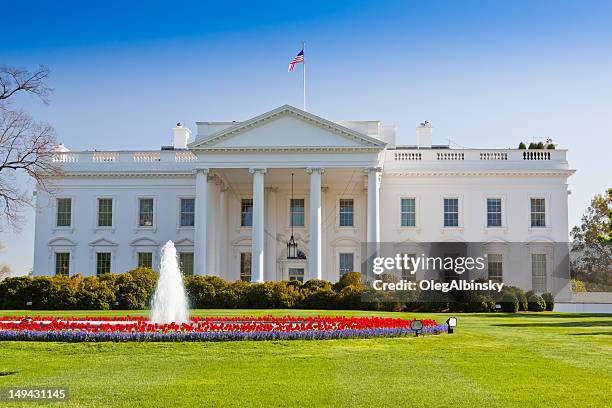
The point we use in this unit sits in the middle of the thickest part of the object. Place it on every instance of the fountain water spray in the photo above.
(170, 299)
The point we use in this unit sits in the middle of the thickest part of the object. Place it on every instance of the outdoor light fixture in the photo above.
(452, 323)
(28, 303)
(292, 248)
(417, 326)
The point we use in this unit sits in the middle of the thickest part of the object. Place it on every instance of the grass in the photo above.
(522, 360)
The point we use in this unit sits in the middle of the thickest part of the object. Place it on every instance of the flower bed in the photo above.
(138, 328)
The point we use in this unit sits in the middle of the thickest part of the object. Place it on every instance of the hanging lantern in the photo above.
(292, 247)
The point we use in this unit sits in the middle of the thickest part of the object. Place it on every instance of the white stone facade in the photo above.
(349, 182)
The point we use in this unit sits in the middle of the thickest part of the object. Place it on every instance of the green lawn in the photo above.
(545, 359)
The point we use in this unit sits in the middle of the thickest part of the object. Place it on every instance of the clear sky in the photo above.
(485, 73)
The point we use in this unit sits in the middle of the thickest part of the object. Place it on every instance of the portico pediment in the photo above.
(287, 128)
(102, 242)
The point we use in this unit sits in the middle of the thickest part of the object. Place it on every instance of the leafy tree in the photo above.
(522, 146)
(591, 247)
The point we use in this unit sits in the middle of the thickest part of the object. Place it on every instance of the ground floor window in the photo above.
(245, 266)
(538, 272)
(145, 260)
(186, 263)
(495, 267)
(296, 274)
(407, 268)
(103, 263)
(62, 263)
(346, 263)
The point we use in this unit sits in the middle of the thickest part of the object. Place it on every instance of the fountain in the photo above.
(170, 299)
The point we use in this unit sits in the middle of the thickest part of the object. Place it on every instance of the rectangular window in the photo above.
(105, 212)
(494, 212)
(296, 274)
(346, 263)
(408, 212)
(145, 260)
(62, 263)
(495, 267)
(407, 268)
(145, 212)
(296, 212)
(245, 266)
(246, 212)
(103, 263)
(538, 272)
(451, 212)
(64, 212)
(347, 212)
(187, 212)
(538, 212)
(186, 263)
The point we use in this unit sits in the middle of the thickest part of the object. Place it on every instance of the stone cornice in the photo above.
(281, 149)
(468, 173)
(124, 174)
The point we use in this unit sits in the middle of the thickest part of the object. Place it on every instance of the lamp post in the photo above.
(417, 326)
(452, 323)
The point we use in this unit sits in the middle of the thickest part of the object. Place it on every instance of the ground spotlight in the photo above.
(452, 323)
(417, 326)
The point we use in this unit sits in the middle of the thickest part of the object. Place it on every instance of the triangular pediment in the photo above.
(184, 242)
(287, 128)
(61, 241)
(102, 242)
(144, 242)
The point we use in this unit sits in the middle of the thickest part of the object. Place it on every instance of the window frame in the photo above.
(401, 200)
(340, 257)
(113, 212)
(459, 212)
(243, 275)
(339, 212)
(55, 261)
(501, 212)
(290, 213)
(499, 278)
(545, 210)
(296, 277)
(242, 214)
(153, 212)
(179, 215)
(183, 253)
(544, 256)
(64, 227)
(138, 254)
(110, 262)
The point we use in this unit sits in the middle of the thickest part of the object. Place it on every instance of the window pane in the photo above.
(187, 212)
(186, 263)
(407, 269)
(64, 212)
(346, 212)
(246, 212)
(346, 263)
(62, 263)
(538, 212)
(103, 263)
(451, 212)
(296, 274)
(105, 212)
(495, 267)
(408, 212)
(297, 212)
(494, 212)
(145, 260)
(538, 272)
(245, 266)
(145, 218)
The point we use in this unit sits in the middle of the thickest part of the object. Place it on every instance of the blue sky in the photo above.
(486, 74)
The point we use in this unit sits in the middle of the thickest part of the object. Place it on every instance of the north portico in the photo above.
(271, 150)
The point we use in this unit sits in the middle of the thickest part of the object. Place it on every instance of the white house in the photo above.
(225, 198)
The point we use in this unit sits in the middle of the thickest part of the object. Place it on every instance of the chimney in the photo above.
(423, 133)
(180, 136)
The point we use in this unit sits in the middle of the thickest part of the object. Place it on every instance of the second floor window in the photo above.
(451, 212)
(296, 212)
(105, 212)
(64, 212)
(346, 212)
(145, 212)
(408, 212)
(246, 212)
(494, 212)
(538, 212)
(187, 216)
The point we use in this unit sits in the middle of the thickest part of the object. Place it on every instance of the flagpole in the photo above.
(304, 72)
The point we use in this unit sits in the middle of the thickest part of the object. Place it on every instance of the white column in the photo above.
(212, 225)
(271, 215)
(316, 269)
(201, 218)
(373, 233)
(222, 233)
(257, 265)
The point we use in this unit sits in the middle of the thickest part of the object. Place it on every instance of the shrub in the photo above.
(323, 298)
(522, 146)
(520, 296)
(550, 146)
(316, 284)
(202, 292)
(12, 292)
(509, 303)
(348, 279)
(540, 145)
(550, 301)
(135, 288)
(578, 286)
(536, 303)
(350, 297)
(533, 146)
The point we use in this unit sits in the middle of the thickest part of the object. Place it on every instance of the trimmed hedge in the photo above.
(133, 290)
(549, 299)
(536, 303)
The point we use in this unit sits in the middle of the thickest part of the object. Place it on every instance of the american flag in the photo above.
(298, 58)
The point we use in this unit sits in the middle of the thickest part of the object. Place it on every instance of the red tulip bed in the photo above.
(138, 328)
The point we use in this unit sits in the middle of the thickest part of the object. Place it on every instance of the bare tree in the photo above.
(26, 146)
